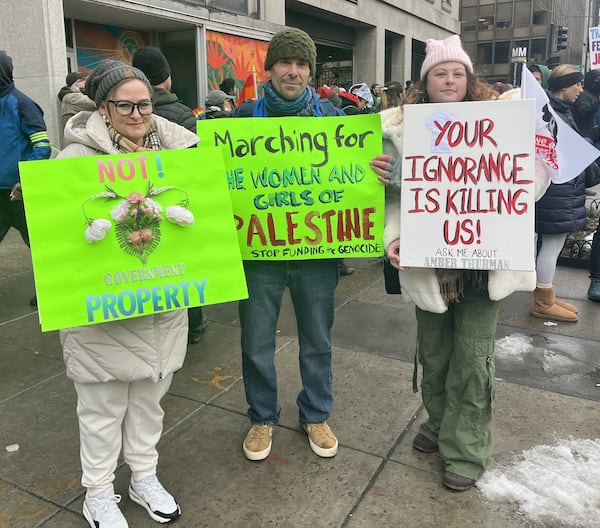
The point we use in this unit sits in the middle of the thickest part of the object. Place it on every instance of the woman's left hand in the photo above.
(382, 164)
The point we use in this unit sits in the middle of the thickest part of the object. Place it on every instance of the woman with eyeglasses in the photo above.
(122, 369)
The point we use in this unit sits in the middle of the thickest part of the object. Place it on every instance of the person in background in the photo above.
(541, 73)
(456, 310)
(154, 65)
(325, 92)
(23, 137)
(228, 86)
(391, 95)
(71, 97)
(122, 369)
(350, 103)
(218, 104)
(376, 94)
(562, 208)
(291, 64)
(365, 98)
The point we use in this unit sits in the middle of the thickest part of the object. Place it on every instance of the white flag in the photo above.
(563, 149)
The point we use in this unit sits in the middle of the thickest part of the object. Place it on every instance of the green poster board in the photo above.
(302, 187)
(171, 243)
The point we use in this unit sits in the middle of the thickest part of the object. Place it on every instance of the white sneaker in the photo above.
(101, 511)
(159, 503)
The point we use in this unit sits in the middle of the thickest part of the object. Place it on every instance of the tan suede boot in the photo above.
(545, 307)
(566, 305)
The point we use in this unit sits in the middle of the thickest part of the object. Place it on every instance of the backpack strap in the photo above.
(246, 109)
(329, 109)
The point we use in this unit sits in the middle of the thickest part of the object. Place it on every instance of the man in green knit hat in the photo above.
(290, 63)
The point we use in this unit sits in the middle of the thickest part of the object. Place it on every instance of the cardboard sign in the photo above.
(301, 187)
(468, 186)
(120, 236)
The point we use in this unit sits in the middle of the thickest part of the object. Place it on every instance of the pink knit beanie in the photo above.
(448, 50)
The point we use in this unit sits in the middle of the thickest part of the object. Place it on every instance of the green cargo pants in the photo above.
(456, 350)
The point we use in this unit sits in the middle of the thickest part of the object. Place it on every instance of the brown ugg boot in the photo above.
(566, 305)
(545, 307)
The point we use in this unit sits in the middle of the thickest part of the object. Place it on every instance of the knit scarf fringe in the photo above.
(452, 282)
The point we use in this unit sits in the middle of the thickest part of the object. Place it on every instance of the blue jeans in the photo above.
(312, 286)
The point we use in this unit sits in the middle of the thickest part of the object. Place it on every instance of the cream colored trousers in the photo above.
(115, 415)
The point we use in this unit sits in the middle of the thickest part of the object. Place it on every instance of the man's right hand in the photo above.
(16, 193)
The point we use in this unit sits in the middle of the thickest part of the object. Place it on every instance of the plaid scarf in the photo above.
(123, 145)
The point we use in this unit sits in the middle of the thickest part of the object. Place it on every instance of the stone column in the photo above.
(32, 32)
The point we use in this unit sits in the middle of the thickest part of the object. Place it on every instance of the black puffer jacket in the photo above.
(562, 208)
(587, 105)
(170, 107)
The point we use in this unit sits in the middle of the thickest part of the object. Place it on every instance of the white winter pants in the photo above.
(119, 414)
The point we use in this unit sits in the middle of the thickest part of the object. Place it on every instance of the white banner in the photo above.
(468, 186)
(563, 149)
(594, 48)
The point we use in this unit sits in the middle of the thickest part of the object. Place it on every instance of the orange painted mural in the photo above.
(234, 57)
(96, 42)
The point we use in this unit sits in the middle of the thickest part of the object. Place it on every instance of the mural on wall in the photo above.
(235, 57)
(96, 42)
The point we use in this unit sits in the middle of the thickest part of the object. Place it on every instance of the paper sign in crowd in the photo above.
(468, 186)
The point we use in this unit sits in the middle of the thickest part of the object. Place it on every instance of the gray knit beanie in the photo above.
(107, 76)
(292, 43)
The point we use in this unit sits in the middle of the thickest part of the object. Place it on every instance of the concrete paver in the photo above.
(376, 479)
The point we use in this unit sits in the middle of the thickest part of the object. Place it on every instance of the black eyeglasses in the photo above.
(126, 108)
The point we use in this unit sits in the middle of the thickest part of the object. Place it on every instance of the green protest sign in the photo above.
(120, 236)
(302, 187)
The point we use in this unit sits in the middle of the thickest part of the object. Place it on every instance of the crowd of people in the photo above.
(121, 108)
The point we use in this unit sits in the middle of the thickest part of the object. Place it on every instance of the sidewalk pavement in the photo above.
(376, 479)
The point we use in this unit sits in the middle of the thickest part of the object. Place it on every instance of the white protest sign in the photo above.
(468, 186)
(594, 48)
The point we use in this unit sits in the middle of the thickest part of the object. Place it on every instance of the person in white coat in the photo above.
(456, 310)
(122, 369)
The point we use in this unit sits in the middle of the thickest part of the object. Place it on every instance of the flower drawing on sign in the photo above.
(137, 218)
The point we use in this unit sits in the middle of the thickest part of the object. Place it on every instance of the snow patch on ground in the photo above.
(556, 485)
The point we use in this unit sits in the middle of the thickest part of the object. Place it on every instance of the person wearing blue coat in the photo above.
(23, 137)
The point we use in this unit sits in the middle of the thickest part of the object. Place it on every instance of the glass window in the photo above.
(502, 53)
(469, 18)
(503, 16)
(523, 13)
(484, 53)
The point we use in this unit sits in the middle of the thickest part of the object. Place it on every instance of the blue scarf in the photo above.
(273, 104)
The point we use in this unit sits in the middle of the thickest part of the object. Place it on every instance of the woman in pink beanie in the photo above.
(456, 309)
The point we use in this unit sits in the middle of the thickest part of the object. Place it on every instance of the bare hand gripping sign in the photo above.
(302, 187)
(468, 186)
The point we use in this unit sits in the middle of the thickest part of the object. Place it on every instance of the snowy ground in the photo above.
(554, 485)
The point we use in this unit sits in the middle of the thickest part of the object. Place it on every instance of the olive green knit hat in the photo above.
(292, 43)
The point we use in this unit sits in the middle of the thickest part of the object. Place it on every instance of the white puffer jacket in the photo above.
(420, 284)
(147, 347)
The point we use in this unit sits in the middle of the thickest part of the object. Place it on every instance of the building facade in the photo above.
(206, 40)
(502, 34)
